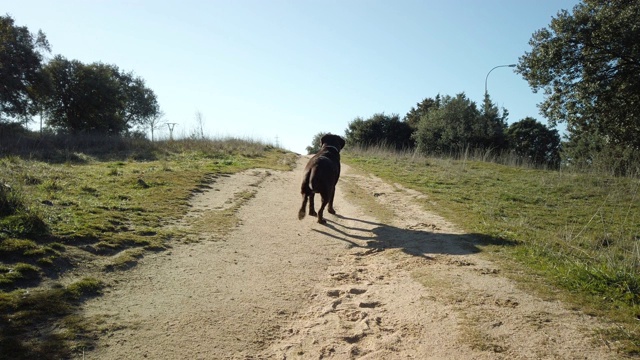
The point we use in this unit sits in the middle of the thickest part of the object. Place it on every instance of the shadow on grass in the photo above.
(32, 325)
(86, 147)
(419, 241)
(76, 149)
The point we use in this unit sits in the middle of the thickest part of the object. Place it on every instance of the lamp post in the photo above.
(487, 77)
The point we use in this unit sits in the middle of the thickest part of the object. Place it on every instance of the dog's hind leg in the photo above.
(302, 211)
(312, 207)
(325, 200)
(330, 209)
(307, 193)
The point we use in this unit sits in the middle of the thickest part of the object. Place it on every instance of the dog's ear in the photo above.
(342, 142)
(323, 140)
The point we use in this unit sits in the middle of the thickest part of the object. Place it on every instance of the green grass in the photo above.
(580, 232)
(29, 315)
(66, 208)
(76, 209)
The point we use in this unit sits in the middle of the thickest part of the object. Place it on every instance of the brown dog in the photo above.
(321, 176)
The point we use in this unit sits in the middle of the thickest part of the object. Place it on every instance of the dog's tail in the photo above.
(306, 191)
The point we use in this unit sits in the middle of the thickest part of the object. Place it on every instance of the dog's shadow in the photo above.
(418, 241)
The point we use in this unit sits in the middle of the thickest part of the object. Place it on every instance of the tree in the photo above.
(590, 150)
(154, 123)
(315, 143)
(84, 98)
(200, 123)
(20, 69)
(533, 140)
(422, 108)
(380, 129)
(490, 127)
(140, 102)
(96, 98)
(587, 63)
(458, 124)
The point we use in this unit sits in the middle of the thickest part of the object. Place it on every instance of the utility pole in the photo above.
(171, 126)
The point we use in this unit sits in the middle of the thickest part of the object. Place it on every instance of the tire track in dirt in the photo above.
(280, 288)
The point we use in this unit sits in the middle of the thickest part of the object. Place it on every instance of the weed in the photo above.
(24, 224)
(126, 259)
(17, 274)
(85, 287)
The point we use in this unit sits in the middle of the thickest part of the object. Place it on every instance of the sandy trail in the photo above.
(279, 288)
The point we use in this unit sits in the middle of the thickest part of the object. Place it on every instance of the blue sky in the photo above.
(281, 71)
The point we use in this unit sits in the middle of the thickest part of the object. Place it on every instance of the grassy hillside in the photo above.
(76, 213)
(72, 212)
(580, 232)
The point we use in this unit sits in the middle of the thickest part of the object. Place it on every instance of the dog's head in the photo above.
(332, 140)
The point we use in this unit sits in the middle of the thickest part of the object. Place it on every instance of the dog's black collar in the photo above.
(331, 146)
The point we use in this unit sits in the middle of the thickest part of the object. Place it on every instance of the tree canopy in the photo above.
(380, 129)
(316, 144)
(96, 98)
(21, 60)
(458, 123)
(72, 96)
(422, 108)
(587, 63)
(534, 141)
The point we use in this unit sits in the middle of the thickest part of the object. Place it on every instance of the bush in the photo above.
(84, 287)
(10, 200)
(24, 224)
(380, 130)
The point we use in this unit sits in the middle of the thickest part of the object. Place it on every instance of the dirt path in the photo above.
(280, 288)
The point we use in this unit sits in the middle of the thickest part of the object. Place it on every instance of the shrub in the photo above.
(10, 200)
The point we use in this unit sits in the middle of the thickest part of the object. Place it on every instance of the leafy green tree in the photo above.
(533, 140)
(587, 63)
(84, 98)
(489, 132)
(140, 103)
(315, 143)
(380, 129)
(448, 128)
(458, 124)
(592, 151)
(20, 69)
(96, 98)
(422, 108)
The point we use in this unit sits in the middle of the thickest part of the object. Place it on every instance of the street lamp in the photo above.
(485, 79)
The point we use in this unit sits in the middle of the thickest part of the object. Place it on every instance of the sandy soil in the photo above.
(275, 287)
